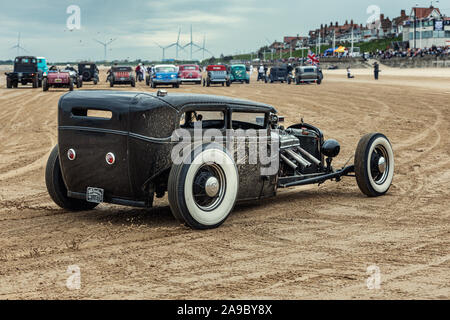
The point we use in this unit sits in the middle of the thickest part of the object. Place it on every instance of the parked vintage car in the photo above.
(88, 71)
(238, 73)
(121, 75)
(190, 73)
(308, 74)
(25, 71)
(57, 79)
(279, 73)
(217, 74)
(76, 78)
(165, 75)
(126, 148)
(42, 67)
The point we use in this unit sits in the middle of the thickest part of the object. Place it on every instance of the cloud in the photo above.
(230, 26)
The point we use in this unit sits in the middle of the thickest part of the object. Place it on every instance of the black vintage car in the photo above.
(127, 147)
(88, 71)
(25, 72)
(279, 73)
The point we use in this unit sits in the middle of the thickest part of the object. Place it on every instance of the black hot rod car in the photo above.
(119, 147)
(25, 71)
(88, 71)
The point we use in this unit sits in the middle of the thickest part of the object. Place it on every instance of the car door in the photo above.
(252, 150)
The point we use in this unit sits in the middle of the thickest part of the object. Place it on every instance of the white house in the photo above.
(431, 28)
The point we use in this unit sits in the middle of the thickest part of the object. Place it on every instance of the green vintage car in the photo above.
(238, 73)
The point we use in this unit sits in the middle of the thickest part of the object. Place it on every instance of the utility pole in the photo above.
(352, 41)
(334, 41)
(290, 50)
(420, 32)
(318, 47)
(415, 28)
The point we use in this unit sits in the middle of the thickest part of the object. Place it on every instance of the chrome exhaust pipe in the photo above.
(309, 156)
(288, 162)
(298, 158)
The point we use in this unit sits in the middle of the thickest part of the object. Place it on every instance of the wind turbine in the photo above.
(192, 44)
(105, 44)
(203, 48)
(271, 50)
(163, 49)
(176, 44)
(18, 46)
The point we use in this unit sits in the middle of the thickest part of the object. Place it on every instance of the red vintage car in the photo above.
(57, 79)
(190, 73)
(121, 75)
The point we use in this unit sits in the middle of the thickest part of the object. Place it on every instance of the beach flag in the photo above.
(312, 58)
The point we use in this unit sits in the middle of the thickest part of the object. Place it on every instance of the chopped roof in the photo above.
(176, 100)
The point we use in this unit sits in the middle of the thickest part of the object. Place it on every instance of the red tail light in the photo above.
(71, 154)
(110, 158)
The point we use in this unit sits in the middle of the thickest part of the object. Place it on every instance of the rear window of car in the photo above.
(255, 120)
(208, 119)
(25, 60)
(190, 68)
(165, 69)
(239, 68)
(216, 68)
(309, 70)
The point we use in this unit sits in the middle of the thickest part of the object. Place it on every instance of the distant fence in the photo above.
(325, 62)
(418, 62)
(342, 63)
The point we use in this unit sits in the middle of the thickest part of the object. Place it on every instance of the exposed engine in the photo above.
(300, 151)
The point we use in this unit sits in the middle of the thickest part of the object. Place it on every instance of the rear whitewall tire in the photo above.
(57, 189)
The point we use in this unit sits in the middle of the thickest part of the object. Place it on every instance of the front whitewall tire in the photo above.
(374, 164)
(185, 176)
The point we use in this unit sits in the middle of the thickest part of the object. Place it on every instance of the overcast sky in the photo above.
(230, 26)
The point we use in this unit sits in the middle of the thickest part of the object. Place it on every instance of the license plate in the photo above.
(94, 195)
(122, 79)
(20, 74)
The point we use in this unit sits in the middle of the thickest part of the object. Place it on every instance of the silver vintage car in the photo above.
(308, 74)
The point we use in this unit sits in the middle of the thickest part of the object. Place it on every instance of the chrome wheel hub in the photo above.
(212, 186)
(379, 164)
(382, 164)
(209, 186)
